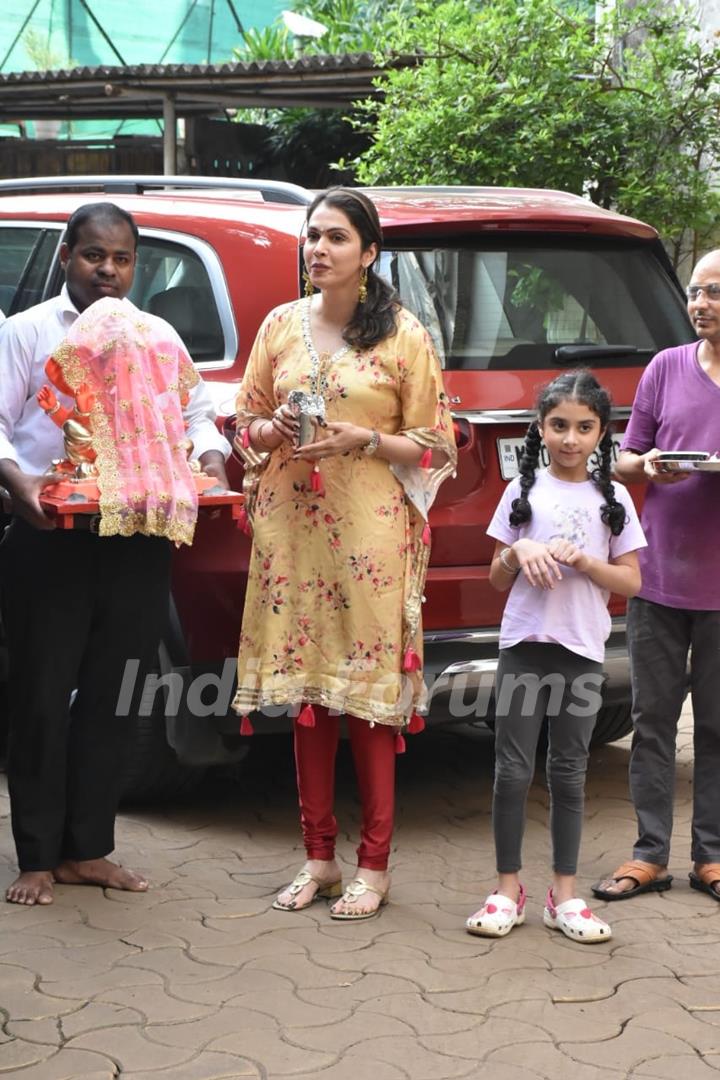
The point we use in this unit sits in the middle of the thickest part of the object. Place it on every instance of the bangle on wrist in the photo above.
(370, 447)
(257, 434)
(505, 564)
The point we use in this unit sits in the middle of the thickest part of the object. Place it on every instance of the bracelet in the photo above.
(257, 433)
(505, 564)
(372, 444)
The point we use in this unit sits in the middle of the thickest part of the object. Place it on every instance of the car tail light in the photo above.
(463, 433)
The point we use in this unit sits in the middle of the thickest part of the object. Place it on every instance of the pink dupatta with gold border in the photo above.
(139, 375)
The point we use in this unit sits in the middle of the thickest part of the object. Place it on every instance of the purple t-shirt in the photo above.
(677, 407)
(574, 613)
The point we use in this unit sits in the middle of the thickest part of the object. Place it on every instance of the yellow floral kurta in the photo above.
(332, 611)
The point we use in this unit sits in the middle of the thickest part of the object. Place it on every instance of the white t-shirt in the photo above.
(573, 614)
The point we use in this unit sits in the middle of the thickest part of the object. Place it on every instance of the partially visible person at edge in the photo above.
(677, 407)
(76, 605)
(565, 541)
(332, 621)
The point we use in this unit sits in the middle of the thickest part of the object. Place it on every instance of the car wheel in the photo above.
(153, 771)
(613, 722)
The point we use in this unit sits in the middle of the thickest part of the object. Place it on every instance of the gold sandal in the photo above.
(324, 892)
(355, 890)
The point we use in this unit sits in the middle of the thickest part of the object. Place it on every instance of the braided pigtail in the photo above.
(521, 509)
(612, 512)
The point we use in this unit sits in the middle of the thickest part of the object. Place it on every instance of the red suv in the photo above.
(513, 285)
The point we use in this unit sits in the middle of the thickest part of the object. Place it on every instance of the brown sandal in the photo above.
(645, 875)
(705, 878)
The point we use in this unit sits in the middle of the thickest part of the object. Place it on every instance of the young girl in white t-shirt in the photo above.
(566, 539)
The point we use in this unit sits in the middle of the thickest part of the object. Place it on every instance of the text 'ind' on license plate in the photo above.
(509, 451)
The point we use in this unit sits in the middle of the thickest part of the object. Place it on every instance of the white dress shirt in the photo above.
(27, 435)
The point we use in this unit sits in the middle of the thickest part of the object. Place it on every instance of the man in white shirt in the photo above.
(76, 606)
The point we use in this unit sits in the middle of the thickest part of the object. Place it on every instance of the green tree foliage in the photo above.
(304, 142)
(534, 92)
(352, 26)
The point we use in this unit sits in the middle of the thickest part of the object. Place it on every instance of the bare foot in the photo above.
(368, 901)
(324, 874)
(31, 887)
(99, 872)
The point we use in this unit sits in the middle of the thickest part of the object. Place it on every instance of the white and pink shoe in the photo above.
(575, 920)
(498, 915)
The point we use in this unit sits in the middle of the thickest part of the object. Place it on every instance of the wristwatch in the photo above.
(372, 444)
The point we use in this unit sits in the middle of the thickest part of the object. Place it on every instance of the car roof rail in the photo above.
(277, 191)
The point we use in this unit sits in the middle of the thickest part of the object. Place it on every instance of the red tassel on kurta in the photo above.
(243, 522)
(399, 744)
(246, 727)
(307, 717)
(416, 724)
(316, 481)
(411, 661)
(426, 535)
(426, 459)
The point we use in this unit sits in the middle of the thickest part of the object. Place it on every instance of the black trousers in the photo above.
(76, 607)
(660, 639)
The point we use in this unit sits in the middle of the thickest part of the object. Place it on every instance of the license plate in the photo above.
(509, 451)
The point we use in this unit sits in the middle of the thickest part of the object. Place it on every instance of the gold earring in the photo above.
(309, 289)
(362, 289)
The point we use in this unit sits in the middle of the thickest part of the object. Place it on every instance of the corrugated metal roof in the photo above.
(321, 62)
(197, 89)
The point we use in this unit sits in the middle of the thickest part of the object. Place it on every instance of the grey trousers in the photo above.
(535, 679)
(659, 639)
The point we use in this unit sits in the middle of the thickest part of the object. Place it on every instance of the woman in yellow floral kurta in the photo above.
(332, 614)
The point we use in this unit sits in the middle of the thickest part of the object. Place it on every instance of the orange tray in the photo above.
(65, 511)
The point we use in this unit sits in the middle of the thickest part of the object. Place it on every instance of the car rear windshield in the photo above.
(514, 305)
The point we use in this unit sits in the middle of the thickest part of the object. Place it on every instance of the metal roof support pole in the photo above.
(169, 136)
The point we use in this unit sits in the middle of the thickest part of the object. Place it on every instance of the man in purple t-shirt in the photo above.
(677, 407)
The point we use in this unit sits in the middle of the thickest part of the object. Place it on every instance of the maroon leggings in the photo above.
(373, 751)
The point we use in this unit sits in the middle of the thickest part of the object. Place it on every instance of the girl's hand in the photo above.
(537, 563)
(563, 551)
(335, 438)
(285, 424)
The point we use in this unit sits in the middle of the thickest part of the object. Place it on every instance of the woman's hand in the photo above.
(284, 427)
(567, 553)
(537, 563)
(335, 438)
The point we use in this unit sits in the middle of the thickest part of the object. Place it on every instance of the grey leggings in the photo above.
(535, 679)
